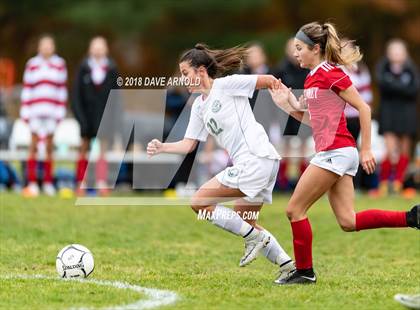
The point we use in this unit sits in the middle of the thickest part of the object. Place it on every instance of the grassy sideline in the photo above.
(167, 248)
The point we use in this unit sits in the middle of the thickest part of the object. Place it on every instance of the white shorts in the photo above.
(42, 126)
(255, 178)
(341, 161)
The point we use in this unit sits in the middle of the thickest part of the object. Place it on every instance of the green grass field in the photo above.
(167, 248)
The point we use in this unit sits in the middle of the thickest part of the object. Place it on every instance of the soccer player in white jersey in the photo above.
(223, 111)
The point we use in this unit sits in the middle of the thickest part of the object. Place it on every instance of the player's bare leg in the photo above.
(341, 196)
(312, 185)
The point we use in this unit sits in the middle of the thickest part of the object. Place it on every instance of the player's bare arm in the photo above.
(184, 146)
(352, 96)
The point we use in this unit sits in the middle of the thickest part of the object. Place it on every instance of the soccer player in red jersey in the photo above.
(327, 89)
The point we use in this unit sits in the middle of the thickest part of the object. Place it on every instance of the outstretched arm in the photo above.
(184, 146)
(267, 81)
(286, 100)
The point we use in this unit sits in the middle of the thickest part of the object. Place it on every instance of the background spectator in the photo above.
(360, 76)
(255, 63)
(43, 99)
(96, 76)
(398, 83)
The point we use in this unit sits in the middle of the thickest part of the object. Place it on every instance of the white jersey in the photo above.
(226, 114)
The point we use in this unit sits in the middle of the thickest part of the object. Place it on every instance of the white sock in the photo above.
(229, 220)
(274, 252)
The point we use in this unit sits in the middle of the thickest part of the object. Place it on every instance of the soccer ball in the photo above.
(74, 261)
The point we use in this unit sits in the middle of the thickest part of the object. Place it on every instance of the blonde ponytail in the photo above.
(332, 47)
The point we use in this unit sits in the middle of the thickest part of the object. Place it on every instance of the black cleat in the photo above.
(298, 277)
(413, 217)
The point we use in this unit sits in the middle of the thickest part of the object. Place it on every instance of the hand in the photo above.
(368, 161)
(280, 94)
(275, 84)
(154, 147)
(302, 102)
(296, 104)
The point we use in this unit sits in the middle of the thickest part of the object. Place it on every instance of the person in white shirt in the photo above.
(224, 112)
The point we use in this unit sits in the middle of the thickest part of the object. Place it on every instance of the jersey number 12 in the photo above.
(214, 128)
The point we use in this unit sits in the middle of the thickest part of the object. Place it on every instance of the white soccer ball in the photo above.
(74, 261)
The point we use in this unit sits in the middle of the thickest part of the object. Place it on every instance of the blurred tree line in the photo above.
(146, 37)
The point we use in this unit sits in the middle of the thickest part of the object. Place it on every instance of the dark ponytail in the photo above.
(217, 62)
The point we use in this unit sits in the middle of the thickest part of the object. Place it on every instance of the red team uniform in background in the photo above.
(44, 97)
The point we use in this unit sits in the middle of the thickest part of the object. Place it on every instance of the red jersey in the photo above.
(326, 108)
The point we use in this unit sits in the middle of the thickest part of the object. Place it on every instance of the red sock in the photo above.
(302, 243)
(101, 170)
(81, 167)
(401, 167)
(282, 176)
(370, 219)
(31, 169)
(386, 167)
(48, 171)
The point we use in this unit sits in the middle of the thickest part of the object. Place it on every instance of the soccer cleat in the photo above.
(253, 244)
(48, 189)
(413, 217)
(32, 190)
(285, 271)
(409, 301)
(298, 277)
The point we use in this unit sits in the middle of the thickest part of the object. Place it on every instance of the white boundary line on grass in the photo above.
(156, 297)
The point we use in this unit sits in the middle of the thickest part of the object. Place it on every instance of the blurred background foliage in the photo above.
(146, 37)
